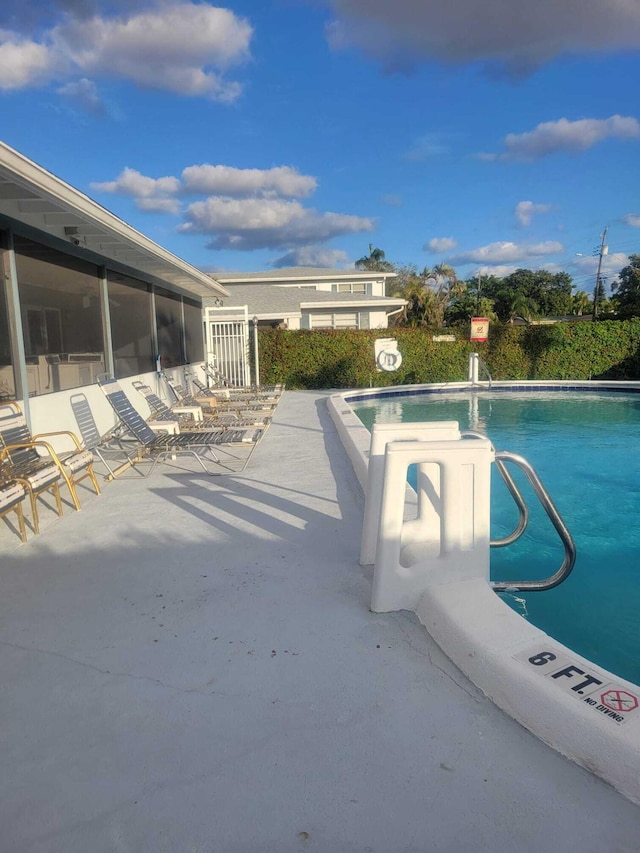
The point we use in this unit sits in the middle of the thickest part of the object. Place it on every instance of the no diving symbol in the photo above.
(619, 701)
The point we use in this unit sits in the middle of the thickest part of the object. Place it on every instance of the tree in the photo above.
(550, 292)
(627, 290)
(428, 293)
(511, 304)
(374, 261)
(581, 303)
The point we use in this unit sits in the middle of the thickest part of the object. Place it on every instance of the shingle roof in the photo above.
(287, 301)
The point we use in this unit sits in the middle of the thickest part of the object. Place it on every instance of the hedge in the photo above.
(344, 358)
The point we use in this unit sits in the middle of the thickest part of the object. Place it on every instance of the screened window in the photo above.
(169, 325)
(131, 325)
(351, 287)
(7, 380)
(339, 320)
(193, 330)
(61, 318)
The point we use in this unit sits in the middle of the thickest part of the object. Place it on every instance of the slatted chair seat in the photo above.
(36, 463)
(12, 494)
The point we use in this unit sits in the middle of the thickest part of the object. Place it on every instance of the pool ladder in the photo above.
(501, 457)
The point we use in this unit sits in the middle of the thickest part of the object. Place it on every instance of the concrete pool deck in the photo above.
(190, 664)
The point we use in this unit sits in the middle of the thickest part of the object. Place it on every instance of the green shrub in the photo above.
(345, 358)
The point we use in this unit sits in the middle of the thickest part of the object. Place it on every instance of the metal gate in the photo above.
(227, 334)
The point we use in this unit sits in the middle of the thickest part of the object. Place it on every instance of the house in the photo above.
(83, 293)
(307, 298)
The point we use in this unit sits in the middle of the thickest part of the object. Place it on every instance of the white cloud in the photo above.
(632, 219)
(438, 245)
(132, 183)
(526, 210)
(181, 47)
(266, 223)
(552, 137)
(227, 180)
(245, 211)
(159, 205)
(496, 32)
(312, 256)
(26, 63)
(84, 93)
(506, 252)
(500, 270)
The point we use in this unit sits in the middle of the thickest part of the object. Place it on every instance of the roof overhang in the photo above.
(380, 304)
(36, 198)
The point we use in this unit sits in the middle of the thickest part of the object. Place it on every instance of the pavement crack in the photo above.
(110, 672)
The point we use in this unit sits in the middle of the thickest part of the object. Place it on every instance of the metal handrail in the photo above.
(523, 509)
(554, 517)
(551, 511)
(485, 368)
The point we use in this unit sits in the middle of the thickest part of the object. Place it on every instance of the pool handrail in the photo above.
(552, 513)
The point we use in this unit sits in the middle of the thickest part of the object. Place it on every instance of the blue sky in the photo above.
(265, 133)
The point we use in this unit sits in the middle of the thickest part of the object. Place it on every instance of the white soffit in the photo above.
(31, 195)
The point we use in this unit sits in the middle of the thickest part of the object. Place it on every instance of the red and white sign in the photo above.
(479, 328)
(619, 701)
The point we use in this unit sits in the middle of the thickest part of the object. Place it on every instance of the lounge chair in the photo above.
(219, 381)
(216, 404)
(162, 448)
(111, 447)
(229, 398)
(190, 418)
(12, 493)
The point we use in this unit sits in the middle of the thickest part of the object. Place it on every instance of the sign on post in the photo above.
(479, 328)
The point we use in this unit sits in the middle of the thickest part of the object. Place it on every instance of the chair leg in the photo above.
(21, 524)
(94, 480)
(33, 497)
(55, 488)
(72, 489)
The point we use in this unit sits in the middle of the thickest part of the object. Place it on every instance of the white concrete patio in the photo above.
(190, 664)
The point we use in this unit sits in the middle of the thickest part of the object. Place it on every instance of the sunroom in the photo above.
(81, 294)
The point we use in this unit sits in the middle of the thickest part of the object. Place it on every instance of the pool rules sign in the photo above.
(479, 328)
(615, 702)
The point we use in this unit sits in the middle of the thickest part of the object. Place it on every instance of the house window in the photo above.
(339, 320)
(351, 287)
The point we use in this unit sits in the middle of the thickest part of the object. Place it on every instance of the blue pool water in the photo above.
(585, 448)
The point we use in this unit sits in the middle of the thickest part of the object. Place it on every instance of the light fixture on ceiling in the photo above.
(71, 231)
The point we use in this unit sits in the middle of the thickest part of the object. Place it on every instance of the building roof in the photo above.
(281, 302)
(35, 197)
(299, 274)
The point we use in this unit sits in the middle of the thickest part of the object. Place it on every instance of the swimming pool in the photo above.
(584, 446)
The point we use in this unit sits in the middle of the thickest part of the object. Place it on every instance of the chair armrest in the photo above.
(72, 435)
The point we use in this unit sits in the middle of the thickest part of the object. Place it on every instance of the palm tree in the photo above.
(374, 261)
(580, 303)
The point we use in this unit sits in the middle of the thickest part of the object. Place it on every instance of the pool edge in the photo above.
(487, 640)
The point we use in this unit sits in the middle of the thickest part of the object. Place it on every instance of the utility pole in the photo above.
(597, 290)
(479, 286)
